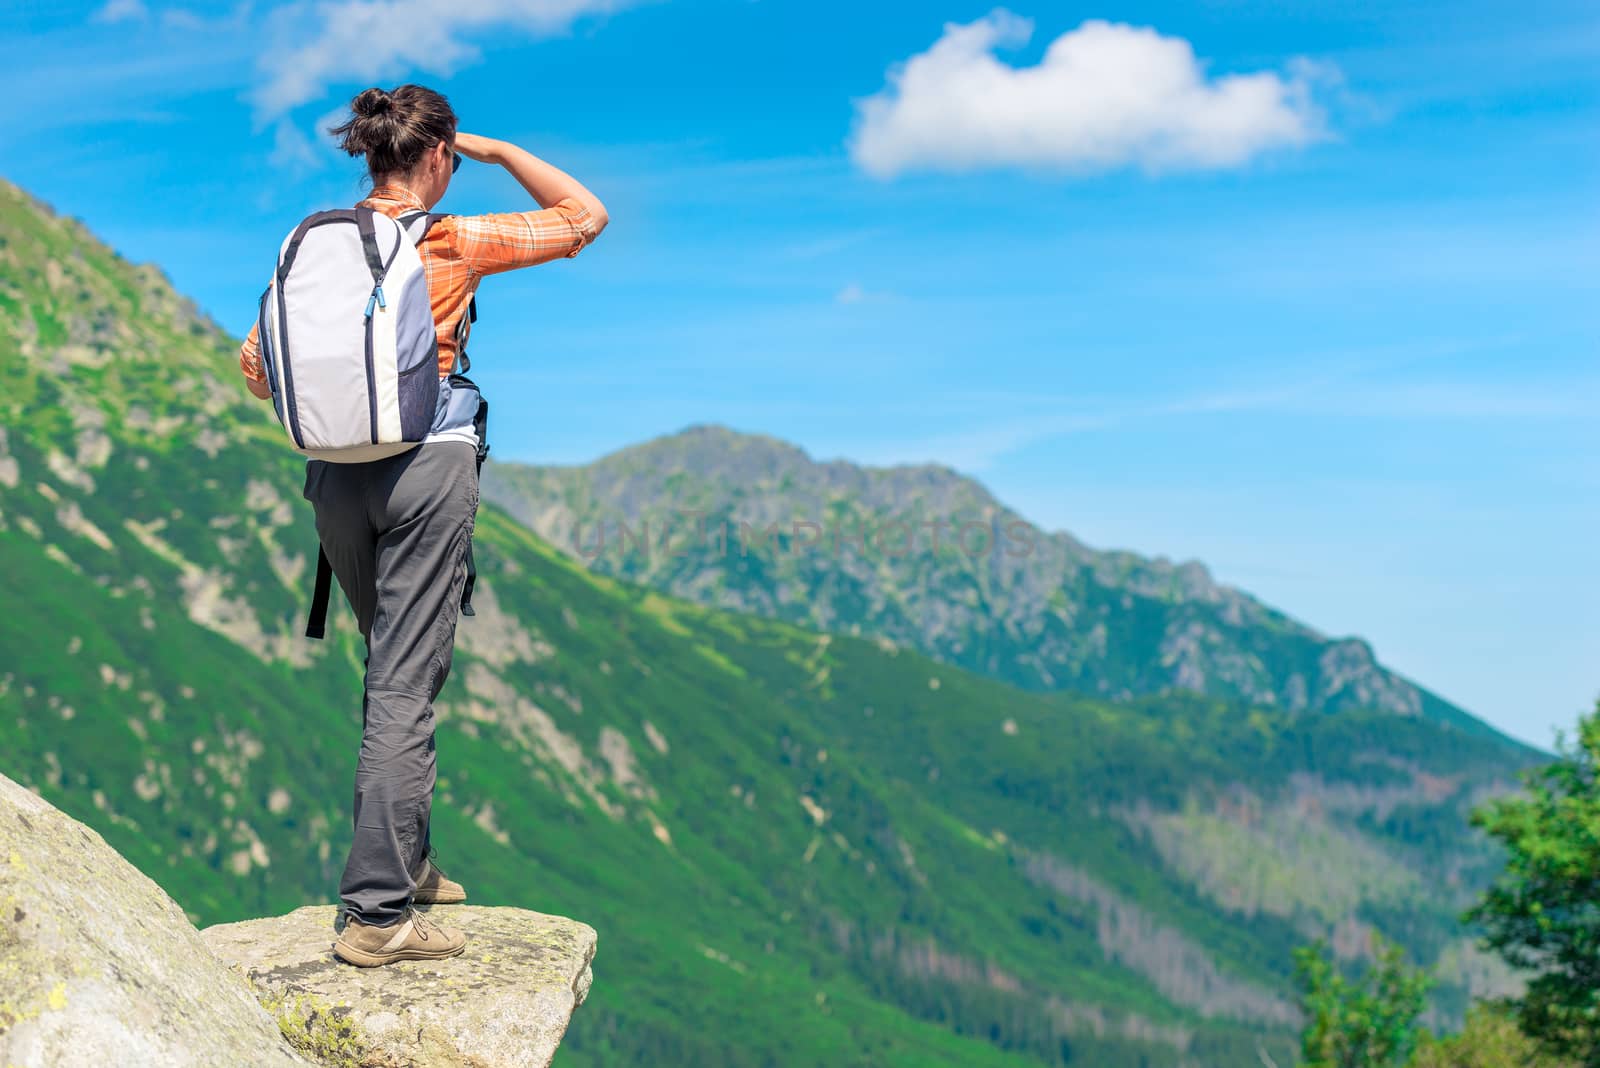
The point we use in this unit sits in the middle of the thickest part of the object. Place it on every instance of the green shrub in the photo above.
(1543, 913)
(1365, 1023)
(1491, 1039)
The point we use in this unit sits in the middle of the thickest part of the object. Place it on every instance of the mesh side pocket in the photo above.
(419, 401)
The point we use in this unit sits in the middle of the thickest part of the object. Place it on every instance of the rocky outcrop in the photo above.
(504, 1003)
(98, 966)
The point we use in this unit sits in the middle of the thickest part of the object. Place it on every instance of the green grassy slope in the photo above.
(798, 849)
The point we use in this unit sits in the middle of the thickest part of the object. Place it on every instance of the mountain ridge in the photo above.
(1215, 639)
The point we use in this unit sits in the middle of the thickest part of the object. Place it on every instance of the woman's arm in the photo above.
(547, 184)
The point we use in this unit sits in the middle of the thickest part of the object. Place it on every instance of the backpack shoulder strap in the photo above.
(418, 223)
(369, 244)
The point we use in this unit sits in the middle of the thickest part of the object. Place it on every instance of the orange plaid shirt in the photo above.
(459, 250)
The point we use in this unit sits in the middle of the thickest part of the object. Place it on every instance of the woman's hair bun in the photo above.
(371, 103)
(394, 129)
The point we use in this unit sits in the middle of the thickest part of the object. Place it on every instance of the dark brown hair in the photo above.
(395, 128)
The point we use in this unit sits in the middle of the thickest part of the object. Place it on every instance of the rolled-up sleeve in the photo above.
(489, 244)
(250, 358)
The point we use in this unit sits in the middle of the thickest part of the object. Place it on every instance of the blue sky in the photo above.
(1317, 305)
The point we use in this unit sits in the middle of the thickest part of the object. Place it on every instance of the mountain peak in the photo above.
(747, 462)
(78, 299)
(705, 444)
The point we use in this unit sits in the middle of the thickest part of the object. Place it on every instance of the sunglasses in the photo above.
(455, 162)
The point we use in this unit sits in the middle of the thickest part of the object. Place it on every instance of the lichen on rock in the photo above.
(323, 1032)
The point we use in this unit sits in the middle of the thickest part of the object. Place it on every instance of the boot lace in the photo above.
(424, 926)
(429, 861)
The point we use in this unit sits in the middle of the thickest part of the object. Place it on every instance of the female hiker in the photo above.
(396, 530)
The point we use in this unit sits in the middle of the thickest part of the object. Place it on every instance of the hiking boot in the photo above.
(435, 888)
(414, 937)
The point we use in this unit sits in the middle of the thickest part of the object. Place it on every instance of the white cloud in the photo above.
(1105, 95)
(368, 40)
(122, 11)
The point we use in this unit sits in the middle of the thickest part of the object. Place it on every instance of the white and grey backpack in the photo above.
(347, 336)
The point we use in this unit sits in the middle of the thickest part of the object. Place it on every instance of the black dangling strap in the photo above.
(463, 328)
(472, 580)
(317, 624)
(480, 426)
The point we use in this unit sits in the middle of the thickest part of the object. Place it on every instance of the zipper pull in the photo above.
(372, 300)
(378, 292)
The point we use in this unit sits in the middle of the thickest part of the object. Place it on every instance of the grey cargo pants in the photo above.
(396, 532)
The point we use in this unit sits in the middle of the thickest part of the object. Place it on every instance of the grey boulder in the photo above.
(98, 966)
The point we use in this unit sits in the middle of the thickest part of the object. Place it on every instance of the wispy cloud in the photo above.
(368, 40)
(122, 11)
(137, 64)
(829, 244)
(293, 150)
(1105, 95)
(856, 293)
(236, 22)
(978, 447)
(1468, 400)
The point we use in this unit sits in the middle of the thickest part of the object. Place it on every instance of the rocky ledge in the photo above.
(504, 1002)
(98, 966)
